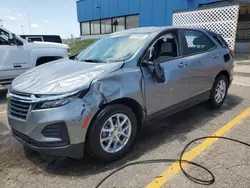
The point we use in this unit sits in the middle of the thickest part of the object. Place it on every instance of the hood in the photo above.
(61, 76)
(47, 45)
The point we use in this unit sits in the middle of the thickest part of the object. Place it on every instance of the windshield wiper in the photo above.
(93, 60)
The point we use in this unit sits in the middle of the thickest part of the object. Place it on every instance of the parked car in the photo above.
(42, 38)
(17, 55)
(100, 100)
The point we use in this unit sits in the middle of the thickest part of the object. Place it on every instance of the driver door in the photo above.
(14, 59)
(175, 89)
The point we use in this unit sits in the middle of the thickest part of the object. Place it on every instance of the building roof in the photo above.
(222, 2)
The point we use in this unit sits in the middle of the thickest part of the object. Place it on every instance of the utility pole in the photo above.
(29, 23)
(22, 29)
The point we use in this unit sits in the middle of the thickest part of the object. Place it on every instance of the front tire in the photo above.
(112, 132)
(219, 92)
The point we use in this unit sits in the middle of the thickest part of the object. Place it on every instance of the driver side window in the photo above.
(4, 37)
(165, 48)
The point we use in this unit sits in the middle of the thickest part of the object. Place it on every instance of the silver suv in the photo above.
(99, 100)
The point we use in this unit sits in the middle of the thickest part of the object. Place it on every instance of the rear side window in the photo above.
(195, 42)
(218, 40)
(33, 39)
(225, 44)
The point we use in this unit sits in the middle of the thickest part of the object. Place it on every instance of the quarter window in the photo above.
(195, 42)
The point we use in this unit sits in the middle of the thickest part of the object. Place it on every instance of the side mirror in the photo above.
(12, 39)
(147, 63)
(73, 57)
(147, 60)
(158, 72)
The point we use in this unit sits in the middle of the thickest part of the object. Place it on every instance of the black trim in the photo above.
(70, 150)
(26, 139)
(56, 130)
(80, 28)
(178, 107)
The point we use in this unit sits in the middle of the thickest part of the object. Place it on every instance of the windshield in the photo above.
(118, 47)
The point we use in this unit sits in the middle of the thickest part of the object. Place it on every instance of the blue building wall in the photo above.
(152, 12)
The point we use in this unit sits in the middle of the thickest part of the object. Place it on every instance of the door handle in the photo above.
(215, 56)
(17, 66)
(181, 64)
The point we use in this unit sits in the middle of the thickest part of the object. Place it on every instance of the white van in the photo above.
(17, 55)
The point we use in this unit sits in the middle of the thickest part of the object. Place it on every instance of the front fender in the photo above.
(123, 83)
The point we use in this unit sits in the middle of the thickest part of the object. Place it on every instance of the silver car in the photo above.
(98, 101)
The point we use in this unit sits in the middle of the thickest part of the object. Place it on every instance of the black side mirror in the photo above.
(12, 39)
(158, 72)
(73, 57)
(147, 61)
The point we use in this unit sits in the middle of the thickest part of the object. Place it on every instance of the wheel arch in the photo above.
(225, 73)
(45, 59)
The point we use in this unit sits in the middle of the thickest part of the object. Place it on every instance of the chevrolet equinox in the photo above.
(98, 100)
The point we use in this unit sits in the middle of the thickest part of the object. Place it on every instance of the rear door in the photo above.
(204, 60)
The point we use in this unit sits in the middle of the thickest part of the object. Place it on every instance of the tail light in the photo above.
(232, 53)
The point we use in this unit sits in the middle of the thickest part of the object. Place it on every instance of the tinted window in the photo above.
(118, 24)
(166, 48)
(132, 22)
(95, 27)
(85, 29)
(33, 39)
(106, 26)
(218, 40)
(195, 42)
(52, 38)
(223, 41)
(4, 37)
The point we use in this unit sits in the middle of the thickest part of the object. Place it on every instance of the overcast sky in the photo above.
(46, 16)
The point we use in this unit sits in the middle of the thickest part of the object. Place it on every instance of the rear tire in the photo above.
(219, 92)
(112, 133)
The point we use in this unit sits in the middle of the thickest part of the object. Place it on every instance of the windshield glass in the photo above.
(117, 47)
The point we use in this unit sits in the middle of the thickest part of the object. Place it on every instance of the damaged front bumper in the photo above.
(56, 131)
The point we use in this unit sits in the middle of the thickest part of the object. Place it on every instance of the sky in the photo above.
(46, 17)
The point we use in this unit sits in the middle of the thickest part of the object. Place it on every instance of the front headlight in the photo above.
(55, 103)
(59, 102)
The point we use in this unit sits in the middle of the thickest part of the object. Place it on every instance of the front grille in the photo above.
(24, 138)
(19, 107)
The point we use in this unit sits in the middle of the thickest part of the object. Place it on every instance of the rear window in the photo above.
(33, 39)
